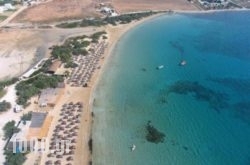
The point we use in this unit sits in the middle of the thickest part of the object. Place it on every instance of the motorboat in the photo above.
(160, 67)
(133, 147)
(182, 63)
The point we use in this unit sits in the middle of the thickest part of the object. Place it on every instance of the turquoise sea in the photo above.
(203, 108)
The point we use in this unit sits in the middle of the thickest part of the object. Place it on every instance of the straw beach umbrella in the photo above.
(49, 162)
(69, 158)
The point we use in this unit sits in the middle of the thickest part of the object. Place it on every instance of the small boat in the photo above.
(160, 67)
(133, 147)
(182, 63)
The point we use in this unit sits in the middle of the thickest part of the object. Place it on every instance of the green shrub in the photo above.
(4, 106)
(71, 65)
(43, 69)
(62, 53)
(9, 129)
(14, 158)
(122, 19)
(2, 92)
(33, 86)
(26, 116)
(8, 82)
(96, 36)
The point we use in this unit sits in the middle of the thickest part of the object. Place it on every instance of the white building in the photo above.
(108, 11)
(2, 9)
(6, 7)
(17, 108)
(9, 6)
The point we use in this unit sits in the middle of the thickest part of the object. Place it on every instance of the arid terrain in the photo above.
(16, 46)
(22, 45)
(57, 10)
(123, 6)
(28, 46)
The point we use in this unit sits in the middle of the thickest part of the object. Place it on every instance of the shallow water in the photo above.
(203, 108)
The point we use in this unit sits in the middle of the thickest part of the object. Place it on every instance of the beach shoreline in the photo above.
(208, 11)
(117, 112)
(86, 95)
(115, 33)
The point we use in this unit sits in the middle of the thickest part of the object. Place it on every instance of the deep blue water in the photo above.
(203, 108)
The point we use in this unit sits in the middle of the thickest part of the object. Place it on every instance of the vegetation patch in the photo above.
(2, 93)
(26, 116)
(3, 17)
(8, 82)
(216, 100)
(96, 36)
(4, 106)
(242, 111)
(5, 83)
(9, 129)
(14, 158)
(33, 86)
(43, 69)
(84, 23)
(121, 19)
(127, 18)
(74, 46)
(236, 84)
(62, 53)
(153, 135)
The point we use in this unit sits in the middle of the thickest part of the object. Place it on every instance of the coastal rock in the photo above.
(153, 135)
(216, 100)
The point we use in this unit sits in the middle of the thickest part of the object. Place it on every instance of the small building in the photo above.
(49, 97)
(20, 137)
(36, 129)
(2, 9)
(106, 10)
(34, 69)
(54, 66)
(213, 4)
(113, 14)
(9, 6)
(39, 127)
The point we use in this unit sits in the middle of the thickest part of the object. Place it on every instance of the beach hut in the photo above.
(54, 66)
(49, 97)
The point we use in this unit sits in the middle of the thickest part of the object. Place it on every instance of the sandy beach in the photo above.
(17, 51)
(17, 56)
(14, 50)
(74, 94)
(83, 155)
